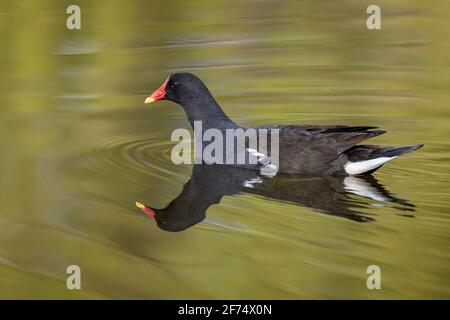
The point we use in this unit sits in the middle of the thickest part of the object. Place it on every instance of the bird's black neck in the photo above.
(206, 109)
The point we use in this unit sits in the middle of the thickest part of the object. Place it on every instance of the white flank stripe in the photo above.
(359, 167)
(269, 170)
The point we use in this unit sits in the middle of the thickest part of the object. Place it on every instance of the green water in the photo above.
(78, 147)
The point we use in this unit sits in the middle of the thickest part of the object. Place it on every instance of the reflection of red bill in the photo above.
(147, 210)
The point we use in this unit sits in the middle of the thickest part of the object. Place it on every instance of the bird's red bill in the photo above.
(159, 93)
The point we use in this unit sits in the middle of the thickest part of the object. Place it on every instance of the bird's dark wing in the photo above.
(311, 149)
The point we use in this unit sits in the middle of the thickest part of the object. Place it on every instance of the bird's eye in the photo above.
(174, 84)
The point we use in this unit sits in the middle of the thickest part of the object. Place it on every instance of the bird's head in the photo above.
(181, 88)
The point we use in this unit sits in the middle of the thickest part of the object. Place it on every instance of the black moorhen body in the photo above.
(303, 149)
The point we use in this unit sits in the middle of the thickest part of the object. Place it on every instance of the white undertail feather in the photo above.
(359, 167)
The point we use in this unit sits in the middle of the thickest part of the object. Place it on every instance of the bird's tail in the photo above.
(397, 151)
(367, 159)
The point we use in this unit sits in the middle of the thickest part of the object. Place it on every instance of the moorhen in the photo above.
(325, 194)
(303, 149)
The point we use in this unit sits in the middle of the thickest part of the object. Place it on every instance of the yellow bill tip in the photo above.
(149, 100)
(139, 205)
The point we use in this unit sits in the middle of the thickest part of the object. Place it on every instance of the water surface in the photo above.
(79, 147)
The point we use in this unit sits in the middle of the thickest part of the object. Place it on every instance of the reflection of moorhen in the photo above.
(327, 194)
